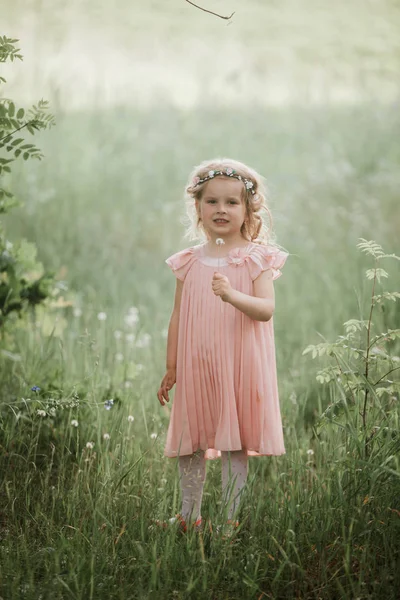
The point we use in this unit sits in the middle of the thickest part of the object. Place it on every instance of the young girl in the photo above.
(220, 349)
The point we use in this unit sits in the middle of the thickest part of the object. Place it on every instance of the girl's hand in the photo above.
(221, 286)
(166, 384)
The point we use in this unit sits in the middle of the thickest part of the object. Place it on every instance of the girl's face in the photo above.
(222, 198)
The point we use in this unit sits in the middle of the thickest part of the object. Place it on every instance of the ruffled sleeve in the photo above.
(180, 262)
(261, 258)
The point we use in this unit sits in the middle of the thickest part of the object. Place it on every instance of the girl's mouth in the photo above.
(220, 221)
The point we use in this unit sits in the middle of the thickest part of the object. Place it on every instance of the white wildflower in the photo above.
(130, 338)
(310, 451)
(131, 418)
(41, 413)
(144, 341)
(74, 423)
(132, 317)
(106, 436)
(90, 445)
(131, 320)
(154, 436)
(102, 316)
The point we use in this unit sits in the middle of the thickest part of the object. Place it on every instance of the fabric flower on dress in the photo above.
(237, 256)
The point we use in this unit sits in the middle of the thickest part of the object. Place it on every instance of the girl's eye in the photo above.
(231, 201)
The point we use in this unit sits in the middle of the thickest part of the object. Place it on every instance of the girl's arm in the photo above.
(261, 306)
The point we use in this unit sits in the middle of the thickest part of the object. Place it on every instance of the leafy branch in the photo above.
(354, 363)
(23, 282)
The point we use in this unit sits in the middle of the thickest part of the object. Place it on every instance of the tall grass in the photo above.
(104, 209)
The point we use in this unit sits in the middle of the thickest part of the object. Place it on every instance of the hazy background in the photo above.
(142, 54)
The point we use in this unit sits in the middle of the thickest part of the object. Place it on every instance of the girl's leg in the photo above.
(192, 469)
(234, 476)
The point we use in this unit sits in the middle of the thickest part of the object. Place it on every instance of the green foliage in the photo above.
(23, 283)
(8, 50)
(363, 363)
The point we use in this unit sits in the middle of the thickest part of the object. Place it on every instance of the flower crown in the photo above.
(229, 172)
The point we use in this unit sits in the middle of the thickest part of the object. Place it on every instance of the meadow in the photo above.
(82, 468)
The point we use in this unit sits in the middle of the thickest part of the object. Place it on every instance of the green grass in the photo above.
(104, 209)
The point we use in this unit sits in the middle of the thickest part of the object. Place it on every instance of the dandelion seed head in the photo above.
(106, 436)
(130, 338)
(310, 451)
(153, 436)
(74, 423)
(144, 341)
(131, 319)
(90, 445)
(102, 316)
(77, 312)
(131, 418)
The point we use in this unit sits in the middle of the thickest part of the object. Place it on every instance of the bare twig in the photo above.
(383, 376)
(210, 11)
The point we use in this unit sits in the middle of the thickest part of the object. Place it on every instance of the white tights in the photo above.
(192, 469)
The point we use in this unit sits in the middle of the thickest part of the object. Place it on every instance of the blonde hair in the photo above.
(253, 228)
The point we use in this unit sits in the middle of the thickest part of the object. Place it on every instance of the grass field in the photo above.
(104, 208)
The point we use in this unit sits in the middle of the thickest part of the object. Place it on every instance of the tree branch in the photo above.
(210, 11)
(19, 129)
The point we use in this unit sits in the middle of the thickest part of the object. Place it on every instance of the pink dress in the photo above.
(226, 394)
